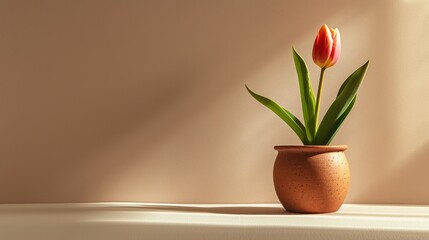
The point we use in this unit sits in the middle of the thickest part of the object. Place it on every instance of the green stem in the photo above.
(319, 93)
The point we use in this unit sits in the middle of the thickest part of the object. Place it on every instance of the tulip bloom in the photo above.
(326, 51)
(327, 47)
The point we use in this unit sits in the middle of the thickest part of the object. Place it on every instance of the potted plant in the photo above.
(314, 177)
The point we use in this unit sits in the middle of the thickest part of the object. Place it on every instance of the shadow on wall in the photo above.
(144, 101)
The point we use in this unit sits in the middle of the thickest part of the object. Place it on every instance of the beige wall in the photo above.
(145, 100)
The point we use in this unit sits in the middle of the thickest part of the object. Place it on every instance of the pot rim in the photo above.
(311, 148)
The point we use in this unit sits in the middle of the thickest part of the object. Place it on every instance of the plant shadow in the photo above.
(235, 210)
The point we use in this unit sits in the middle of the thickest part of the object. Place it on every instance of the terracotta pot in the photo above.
(311, 179)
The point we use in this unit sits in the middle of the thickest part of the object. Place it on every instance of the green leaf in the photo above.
(285, 115)
(340, 108)
(340, 120)
(307, 96)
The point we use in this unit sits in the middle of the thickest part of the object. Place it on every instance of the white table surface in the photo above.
(208, 221)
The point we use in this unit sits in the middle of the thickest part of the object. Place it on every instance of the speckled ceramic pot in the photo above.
(311, 179)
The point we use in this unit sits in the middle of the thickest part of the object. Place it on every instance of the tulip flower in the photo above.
(327, 47)
(326, 51)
